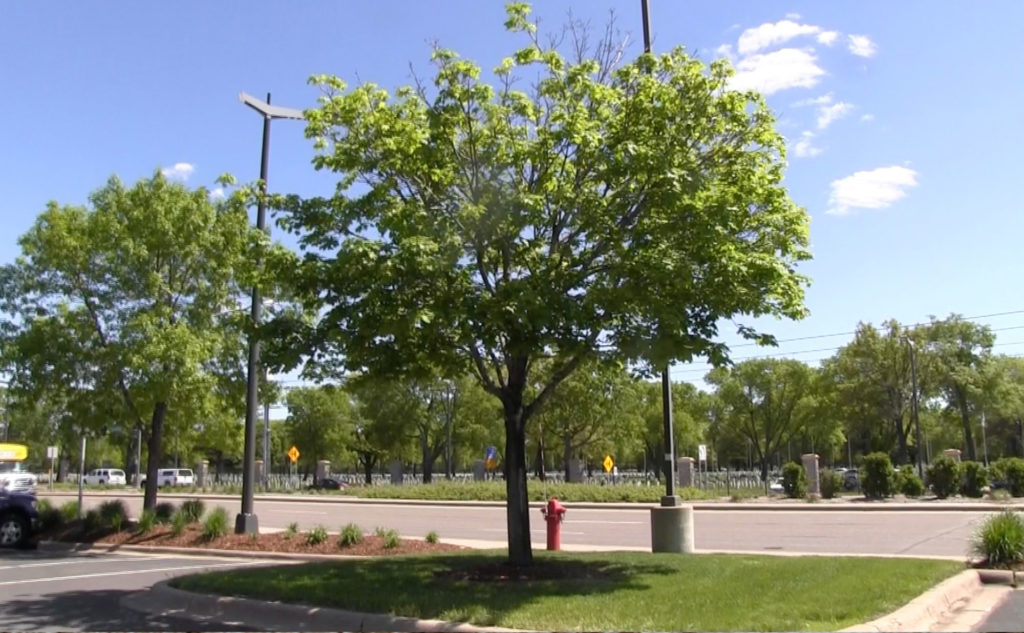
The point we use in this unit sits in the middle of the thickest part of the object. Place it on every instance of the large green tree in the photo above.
(118, 309)
(625, 209)
(962, 351)
(766, 400)
(321, 421)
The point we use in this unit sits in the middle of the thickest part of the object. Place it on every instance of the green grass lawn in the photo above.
(603, 591)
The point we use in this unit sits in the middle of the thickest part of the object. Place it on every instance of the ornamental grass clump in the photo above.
(1000, 540)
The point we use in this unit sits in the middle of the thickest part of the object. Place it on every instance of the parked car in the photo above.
(111, 476)
(173, 477)
(851, 479)
(14, 478)
(328, 483)
(19, 519)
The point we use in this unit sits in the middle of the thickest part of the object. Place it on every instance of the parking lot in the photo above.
(82, 591)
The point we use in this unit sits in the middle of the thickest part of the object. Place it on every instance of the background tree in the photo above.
(764, 400)
(617, 209)
(320, 422)
(962, 351)
(135, 285)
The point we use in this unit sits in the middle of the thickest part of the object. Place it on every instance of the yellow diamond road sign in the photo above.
(607, 463)
(293, 454)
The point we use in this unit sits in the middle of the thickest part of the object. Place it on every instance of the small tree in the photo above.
(877, 476)
(974, 477)
(794, 480)
(944, 476)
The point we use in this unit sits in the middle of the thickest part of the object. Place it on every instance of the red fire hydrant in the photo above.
(553, 514)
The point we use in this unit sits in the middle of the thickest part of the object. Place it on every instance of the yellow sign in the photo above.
(13, 452)
(293, 454)
(607, 463)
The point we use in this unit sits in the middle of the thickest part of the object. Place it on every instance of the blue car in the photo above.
(19, 519)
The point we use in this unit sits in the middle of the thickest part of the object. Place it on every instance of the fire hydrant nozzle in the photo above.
(554, 513)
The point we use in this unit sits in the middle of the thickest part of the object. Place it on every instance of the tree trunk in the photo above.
(156, 436)
(367, 462)
(542, 472)
(968, 436)
(903, 457)
(566, 456)
(520, 552)
(428, 461)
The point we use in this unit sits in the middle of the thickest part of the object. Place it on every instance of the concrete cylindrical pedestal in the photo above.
(810, 461)
(202, 472)
(685, 473)
(672, 529)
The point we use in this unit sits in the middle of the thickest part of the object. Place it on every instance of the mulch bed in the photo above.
(192, 537)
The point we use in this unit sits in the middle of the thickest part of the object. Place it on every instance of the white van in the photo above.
(110, 476)
(174, 477)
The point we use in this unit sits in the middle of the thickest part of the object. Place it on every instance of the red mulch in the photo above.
(192, 537)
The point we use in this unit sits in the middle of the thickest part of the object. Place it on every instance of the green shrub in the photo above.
(350, 535)
(432, 537)
(69, 511)
(290, 531)
(49, 516)
(179, 521)
(216, 524)
(1013, 473)
(1001, 495)
(193, 509)
(380, 530)
(391, 539)
(831, 483)
(908, 483)
(794, 480)
(163, 512)
(973, 477)
(113, 513)
(877, 476)
(1000, 540)
(944, 476)
(92, 520)
(146, 521)
(316, 536)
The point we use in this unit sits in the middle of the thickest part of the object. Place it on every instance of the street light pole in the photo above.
(913, 405)
(246, 522)
(670, 498)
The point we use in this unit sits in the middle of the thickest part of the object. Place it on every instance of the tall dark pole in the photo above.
(913, 409)
(246, 521)
(666, 384)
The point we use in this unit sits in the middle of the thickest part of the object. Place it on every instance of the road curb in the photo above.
(725, 505)
(164, 600)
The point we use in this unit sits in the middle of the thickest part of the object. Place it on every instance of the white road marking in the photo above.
(125, 573)
(531, 531)
(574, 521)
(305, 512)
(76, 561)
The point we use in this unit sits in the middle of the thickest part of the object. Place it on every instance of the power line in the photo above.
(913, 325)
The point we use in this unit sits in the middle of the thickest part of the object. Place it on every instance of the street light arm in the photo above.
(268, 110)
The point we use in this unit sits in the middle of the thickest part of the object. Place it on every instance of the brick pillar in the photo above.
(810, 461)
(685, 475)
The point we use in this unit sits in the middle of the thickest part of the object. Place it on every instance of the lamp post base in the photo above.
(247, 524)
(672, 528)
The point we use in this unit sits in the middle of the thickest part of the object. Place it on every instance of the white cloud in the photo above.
(218, 194)
(875, 189)
(180, 171)
(828, 38)
(829, 113)
(804, 148)
(793, 16)
(822, 100)
(769, 34)
(867, 117)
(862, 46)
(772, 72)
(725, 50)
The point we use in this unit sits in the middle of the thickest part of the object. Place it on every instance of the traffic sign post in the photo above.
(51, 452)
(608, 463)
(293, 454)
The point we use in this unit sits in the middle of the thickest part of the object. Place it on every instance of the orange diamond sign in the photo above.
(607, 463)
(293, 454)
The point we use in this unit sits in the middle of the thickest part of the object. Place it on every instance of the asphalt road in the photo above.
(1007, 616)
(899, 532)
(77, 591)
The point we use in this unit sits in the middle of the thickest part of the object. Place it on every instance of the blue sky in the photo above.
(903, 120)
